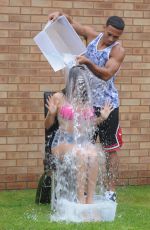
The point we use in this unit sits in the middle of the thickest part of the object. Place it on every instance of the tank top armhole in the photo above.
(110, 48)
(95, 39)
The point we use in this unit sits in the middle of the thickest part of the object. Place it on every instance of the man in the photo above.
(104, 57)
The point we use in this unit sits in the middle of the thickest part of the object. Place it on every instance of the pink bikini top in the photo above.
(67, 112)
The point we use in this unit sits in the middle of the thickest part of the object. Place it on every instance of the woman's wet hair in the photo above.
(116, 22)
(77, 85)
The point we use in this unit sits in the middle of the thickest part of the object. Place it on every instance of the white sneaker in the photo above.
(110, 195)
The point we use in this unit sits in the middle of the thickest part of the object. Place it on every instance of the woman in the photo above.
(76, 121)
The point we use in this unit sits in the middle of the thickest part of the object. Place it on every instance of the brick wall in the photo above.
(25, 75)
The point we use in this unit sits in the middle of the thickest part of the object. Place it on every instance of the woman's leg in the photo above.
(92, 173)
(81, 174)
(62, 149)
(79, 155)
(86, 165)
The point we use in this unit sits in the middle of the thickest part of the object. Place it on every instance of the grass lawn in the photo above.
(19, 212)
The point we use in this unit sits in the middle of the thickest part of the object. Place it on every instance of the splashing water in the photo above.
(67, 205)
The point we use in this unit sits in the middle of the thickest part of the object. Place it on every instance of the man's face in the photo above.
(111, 35)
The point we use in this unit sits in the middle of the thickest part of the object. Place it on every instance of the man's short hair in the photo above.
(116, 22)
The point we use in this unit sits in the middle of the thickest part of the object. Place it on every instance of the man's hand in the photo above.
(82, 60)
(53, 16)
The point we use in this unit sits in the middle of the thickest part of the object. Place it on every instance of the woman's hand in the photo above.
(51, 105)
(106, 110)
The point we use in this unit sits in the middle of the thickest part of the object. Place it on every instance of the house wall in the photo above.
(25, 75)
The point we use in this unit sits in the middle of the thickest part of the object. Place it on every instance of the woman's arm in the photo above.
(52, 106)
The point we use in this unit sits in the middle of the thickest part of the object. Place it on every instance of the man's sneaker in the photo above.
(110, 195)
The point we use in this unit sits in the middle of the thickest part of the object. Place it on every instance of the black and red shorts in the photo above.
(109, 131)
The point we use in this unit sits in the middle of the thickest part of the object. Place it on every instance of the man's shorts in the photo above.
(109, 131)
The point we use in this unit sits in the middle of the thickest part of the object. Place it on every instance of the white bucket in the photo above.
(100, 210)
(59, 43)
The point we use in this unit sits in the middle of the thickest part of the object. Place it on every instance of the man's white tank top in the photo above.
(102, 91)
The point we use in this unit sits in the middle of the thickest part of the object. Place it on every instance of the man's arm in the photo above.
(112, 65)
(86, 31)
